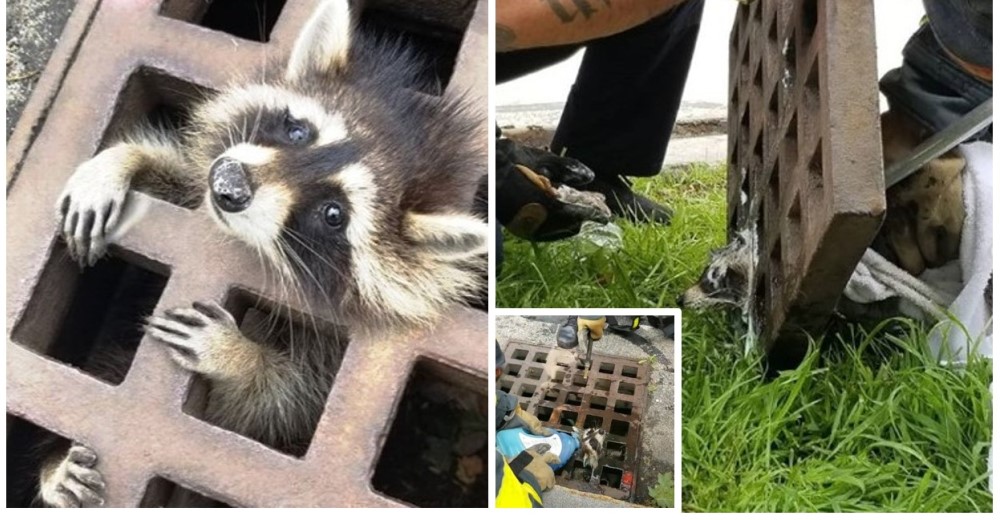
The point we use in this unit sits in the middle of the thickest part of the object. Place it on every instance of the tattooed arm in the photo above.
(523, 24)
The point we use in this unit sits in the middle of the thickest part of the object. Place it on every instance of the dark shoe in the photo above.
(625, 203)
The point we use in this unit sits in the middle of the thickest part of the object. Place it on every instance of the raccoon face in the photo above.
(294, 172)
(725, 280)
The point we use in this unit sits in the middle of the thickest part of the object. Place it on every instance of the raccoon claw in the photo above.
(197, 335)
(89, 209)
(74, 482)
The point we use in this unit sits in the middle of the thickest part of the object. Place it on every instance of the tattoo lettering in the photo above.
(505, 38)
(583, 7)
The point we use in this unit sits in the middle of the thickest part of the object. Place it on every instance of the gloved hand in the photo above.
(528, 203)
(540, 469)
(531, 423)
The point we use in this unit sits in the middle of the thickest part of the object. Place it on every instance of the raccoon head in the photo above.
(354, 188)
(726, 279)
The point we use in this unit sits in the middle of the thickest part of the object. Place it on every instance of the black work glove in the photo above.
(527, 203)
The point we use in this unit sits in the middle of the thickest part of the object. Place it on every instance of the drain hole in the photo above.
(592, 421)
(574, 399)
(541, 357)
(27, 446)
(506, 384)
(251, 20)
(534, 373)
(153, 97)
(630, 371)
(567, 418)
(527, 391)
(413, 467)
(93, 319)
(615, 450)
(520, 354)
(607, 368)
(273, 326)
(513, 370)
(626, 388)
(598, 403)
(161, 492)
(619, 428)
(552, 395)
(579, 380)
(603, 385)
(560, 376)
(544, 413)
(623, 407)
(611, 477)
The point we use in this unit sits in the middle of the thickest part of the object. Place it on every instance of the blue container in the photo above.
(515, 440)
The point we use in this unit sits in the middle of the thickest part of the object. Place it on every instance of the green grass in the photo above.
(871, 424)
(653, 267)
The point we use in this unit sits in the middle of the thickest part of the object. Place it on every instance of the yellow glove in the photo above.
(531, 423)
(539, 469)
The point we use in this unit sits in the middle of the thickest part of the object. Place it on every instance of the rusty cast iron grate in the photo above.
(549, 383)
(804, 146)
(119, 63)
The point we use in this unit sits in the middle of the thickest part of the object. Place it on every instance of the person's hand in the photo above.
(530, 182)
(540, 469)
(531, 423)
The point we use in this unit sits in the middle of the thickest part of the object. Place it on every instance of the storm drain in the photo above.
(123, 62)
(549, 383)
(805, 159)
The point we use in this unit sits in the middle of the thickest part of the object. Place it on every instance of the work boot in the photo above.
(625, 203)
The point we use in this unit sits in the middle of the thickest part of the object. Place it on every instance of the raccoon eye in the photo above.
(297, 132)
(333, 213)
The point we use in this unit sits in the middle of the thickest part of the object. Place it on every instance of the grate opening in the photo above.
(568, 418)
(513, 370)
(436, 452)
(27, 446)
(619, 428)
(272, 326)
(598, 402)
(544, 413)
(607, 368)
(579, 380)
(592, 421)
(528, 390)
(520, 354)
(506, 385)
(623, 407)
(574, 399)
(436, 48)
(560, 376)
(162, 492)
(541, 357)
(603, 385)
(611, 477)
(551, 395)
(153, 97)
(91, 320)
(615, 450)
(626, 388)
(630, 371)
(534, 373)
(250, 20)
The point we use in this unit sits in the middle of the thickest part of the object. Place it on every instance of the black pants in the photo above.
(624, 103)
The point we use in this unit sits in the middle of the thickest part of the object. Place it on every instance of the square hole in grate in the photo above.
(541, 357)
(513, 370)
(630, 371)
(615, 450)
(598, 402)
(527, 390)
(312, 341)
(579, 380)
(534, 373)
(551, 394)
(506, 384)
(154, 97)
(626, 388)
(28, 446)
(568, 418)
(247, 19)
(611, 477)
(161, 492)
(520, 354)
(619, 428)
(574, 399)
(435, 47)
(93, 319)
(412, 467)
(593, 421)
(544, 413)
(603, 385)
(623, 407)
(607, 368)
(560, 376)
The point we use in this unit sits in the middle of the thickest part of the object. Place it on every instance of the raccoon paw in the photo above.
(203, 338)
(73, 482)
(90, 208)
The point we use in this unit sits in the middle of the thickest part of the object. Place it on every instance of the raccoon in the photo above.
(354, 188)
(726, 279)
(591, 448)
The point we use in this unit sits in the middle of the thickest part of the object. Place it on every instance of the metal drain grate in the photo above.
(118, 62)
(804, 146)
(549, 383)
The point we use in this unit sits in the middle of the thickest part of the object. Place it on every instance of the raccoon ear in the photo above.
(448, 235)
(324, 41)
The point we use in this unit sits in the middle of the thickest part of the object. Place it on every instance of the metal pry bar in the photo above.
(941, 142)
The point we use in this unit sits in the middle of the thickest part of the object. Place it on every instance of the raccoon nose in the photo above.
(680, 301)
(231, 189)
